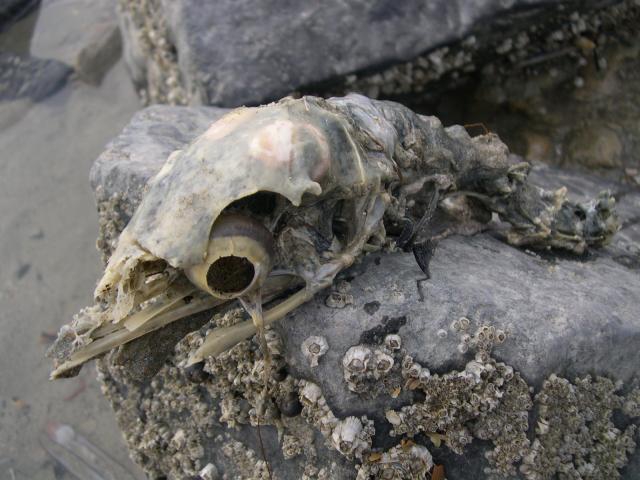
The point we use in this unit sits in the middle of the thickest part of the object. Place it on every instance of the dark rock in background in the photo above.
(233, 53)
(13, 10)
(30, 78)
(574, 103)
(556, 79)
(566, 315)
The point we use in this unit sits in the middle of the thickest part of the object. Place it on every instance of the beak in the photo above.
(179, 301)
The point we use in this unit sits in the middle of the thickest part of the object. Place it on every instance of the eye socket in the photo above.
(239, 257)
(230, 274)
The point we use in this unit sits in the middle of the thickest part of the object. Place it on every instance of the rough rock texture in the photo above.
(574, 102)
(29, 78)
(564, 315)
(558, 80)
(81, 33)
(233, 53)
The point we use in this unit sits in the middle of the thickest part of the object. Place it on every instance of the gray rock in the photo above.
(30, 78)
(569, 316)
(231, 53)
(81, 33)
(565, 315)
(135, 155)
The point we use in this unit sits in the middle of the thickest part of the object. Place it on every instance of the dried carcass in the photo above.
(284, 196)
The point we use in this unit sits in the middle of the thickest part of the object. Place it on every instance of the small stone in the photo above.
(83, 34)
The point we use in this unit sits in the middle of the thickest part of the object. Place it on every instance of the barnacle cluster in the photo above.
(575, 435)
(291, 446)
(631, 406)
(150, 39)
(312, 472)
(486, 400)
(403, 461)
(516, 52)
(147, 414)
(481, 341)
(228, 390)
(236, 377)
(245, 460)
(506, 426)
(114, 211)
(350, 436)
(339, 297)
(368, 369)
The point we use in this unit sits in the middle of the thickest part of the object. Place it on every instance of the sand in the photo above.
(49, 265)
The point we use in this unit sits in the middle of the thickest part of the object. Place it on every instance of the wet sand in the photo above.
(48, 227)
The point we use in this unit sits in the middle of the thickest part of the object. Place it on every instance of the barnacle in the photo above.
(313, 348)
(368, 371)
(357, 358)
(310, 394)
(383, 362)
(291, 447)
(351, 438)
(393, 341)
(271, 203)
(209, 472)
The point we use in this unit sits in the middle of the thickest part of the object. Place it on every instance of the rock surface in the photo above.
(233, 53)
(526, 69)
(81, 33)
(565, 315)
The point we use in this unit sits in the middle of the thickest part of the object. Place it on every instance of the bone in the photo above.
(138, 319)
(274, 286)
(238, 246)
(222, 339)
(252, 303)
(122, 336)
